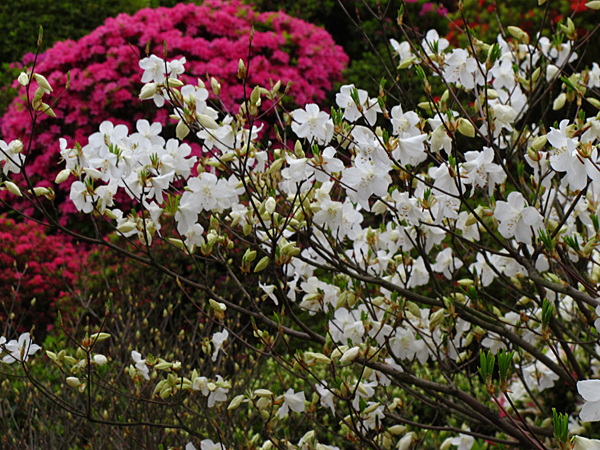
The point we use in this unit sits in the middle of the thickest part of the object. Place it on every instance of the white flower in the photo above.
(310, 123)
(594, 74)
(432, 40)
(352, 112)
(590, 391)
(140, 364)
(494, 343)
(19, 350)
(461, 67)
(463, 441)
(154, 69)
(504, 75)
(330, 215)
(566, 158)
(269, 290)
(516, 219)
(218, 395)
(207, 444)
(405, 124)
(326, 395)
(12, 156)
(218, 339)
(581, 443)
(403, 50)
(292, 401)
(481, 171)
(539, 376)
(446, 263)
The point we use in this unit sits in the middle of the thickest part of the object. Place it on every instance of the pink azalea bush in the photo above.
(105, 72)
(37, 266)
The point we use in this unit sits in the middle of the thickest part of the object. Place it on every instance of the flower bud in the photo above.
(407, 62)
(539, 142)
(182, 130)
(397, 429)
(23, 79)
(38, 191)
(99, 337)
(263, 393)
(241, 74)
(207, 122)
(262, 264)
(173, 82)
(13, 188)
(559, 102)
(46, 109)
(594, 101)
(516, 32)
(215, 86)
(126, 227)
(43, 83)
(73, 382)
(148, 91)
(595, 4)
(318, 357)
(270, 205)
(217, 306)
(466, 128)
(62, 176)
(237, 401)
(100, 360)
(350, 355)
(446, 444)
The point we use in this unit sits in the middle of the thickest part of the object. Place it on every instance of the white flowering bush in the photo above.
(416, 269)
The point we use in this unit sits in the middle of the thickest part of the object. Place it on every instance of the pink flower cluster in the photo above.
(34, 266)
(105, 75)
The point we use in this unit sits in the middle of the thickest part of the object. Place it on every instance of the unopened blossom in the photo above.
(293, 401)
(518, 220)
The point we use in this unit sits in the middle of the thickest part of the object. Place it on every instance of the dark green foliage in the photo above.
(62, 19)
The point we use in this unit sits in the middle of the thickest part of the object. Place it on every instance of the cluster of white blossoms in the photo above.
(372, 193)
